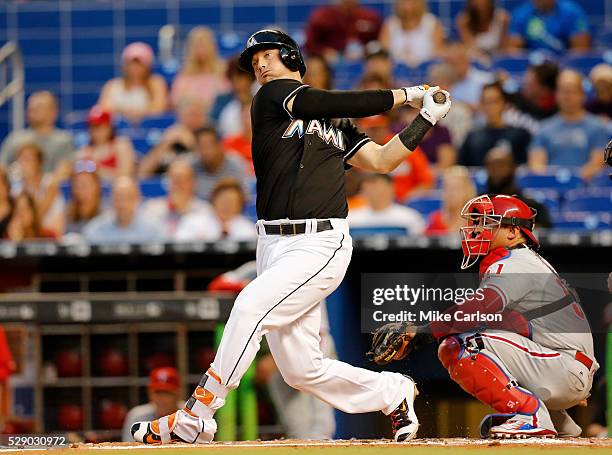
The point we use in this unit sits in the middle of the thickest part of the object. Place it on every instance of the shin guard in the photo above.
(479, 373)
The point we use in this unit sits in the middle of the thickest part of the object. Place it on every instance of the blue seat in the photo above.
(404, 74)
(601, 179)
(141, 145)
(479, 177)
(251, 188)
(77, 124)
(250, 211)
(347, 74)
(66, 189)
(589, 200)
(161, 121)
(561, 179)
(604, 38)
(426, 204)
(357, 232)
(577, 221)
(549, 197)
(585, 62)
(80, 138)
(514, 64)
(168, 70)
(153, 187)
(230, 43)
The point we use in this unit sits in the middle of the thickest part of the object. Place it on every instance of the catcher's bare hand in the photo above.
(391, 342)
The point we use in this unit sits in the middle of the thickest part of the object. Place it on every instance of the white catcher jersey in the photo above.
(526, 281)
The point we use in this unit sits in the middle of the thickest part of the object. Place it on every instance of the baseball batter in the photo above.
(304, 246)
(539, 360)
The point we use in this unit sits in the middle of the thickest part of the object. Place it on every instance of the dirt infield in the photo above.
(350, 447)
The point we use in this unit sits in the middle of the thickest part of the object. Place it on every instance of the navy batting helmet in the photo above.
(265, 39)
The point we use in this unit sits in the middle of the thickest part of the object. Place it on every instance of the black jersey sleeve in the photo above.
(272, 98)
(354, 138)
(311, 103)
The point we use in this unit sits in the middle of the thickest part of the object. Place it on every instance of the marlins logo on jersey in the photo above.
(326, 132)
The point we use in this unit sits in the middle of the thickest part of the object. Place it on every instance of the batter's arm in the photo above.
(383, 159)
(311, 103)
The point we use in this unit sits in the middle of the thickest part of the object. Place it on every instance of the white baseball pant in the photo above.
(555, 377)
(295, 273)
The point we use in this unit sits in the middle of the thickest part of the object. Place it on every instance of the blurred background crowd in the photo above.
(164, 154)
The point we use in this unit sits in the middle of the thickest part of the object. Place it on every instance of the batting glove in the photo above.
(414, 95)
(432, 111)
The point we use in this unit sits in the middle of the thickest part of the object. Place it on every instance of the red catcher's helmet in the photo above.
(484, 215)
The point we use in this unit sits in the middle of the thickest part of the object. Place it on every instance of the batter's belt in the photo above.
(295, 228)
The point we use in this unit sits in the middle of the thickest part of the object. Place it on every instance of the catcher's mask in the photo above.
(484, 215)
(267, 39)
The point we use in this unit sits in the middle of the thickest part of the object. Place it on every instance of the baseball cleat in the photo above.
(182, 426)
(404, 420)
(517, 426)
(148, 433)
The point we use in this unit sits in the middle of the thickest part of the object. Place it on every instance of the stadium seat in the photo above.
(250, 211)
(153, 187)
(604, 38)
(479, 177)
(513, 64)
(589, 200)
(404, 74)
(561, 179)
(426, 204)
(550, 198)
(161, 121)
(585, 62)
(576, 221)
(80, 138)
(347, 74)
(168, 70)
(601, 179)
(77, 123)
(66, 189)
(231, 43)
(141, 145)
(357, 232)
(251, 187)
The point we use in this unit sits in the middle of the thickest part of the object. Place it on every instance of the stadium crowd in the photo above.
(172, 162)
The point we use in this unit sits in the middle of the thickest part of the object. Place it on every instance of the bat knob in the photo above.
(439, 97)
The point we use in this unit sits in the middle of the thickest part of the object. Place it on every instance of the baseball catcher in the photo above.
(534, 364)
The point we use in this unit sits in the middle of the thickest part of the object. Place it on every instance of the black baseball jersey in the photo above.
(299, 163)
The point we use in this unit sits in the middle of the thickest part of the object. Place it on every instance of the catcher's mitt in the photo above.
(394, 341)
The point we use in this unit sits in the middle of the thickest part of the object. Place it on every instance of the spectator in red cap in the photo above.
(164, 398)
(138, 92)
(113, 155)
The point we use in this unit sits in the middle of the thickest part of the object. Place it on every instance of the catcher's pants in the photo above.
(295, 273)
(555, 377)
